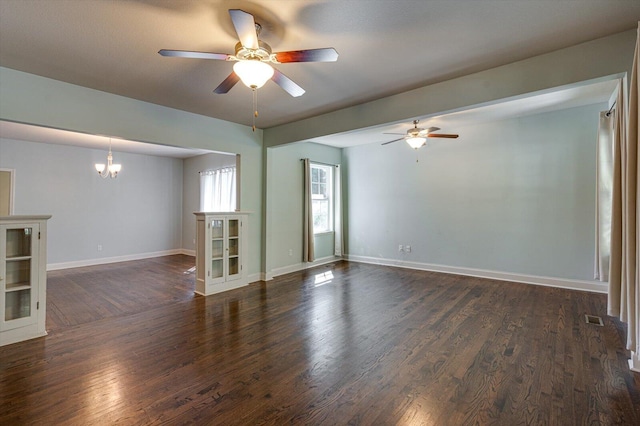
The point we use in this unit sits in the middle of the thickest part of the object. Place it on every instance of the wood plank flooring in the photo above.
(346, 343)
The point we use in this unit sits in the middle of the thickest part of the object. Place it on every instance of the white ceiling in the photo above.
(385, 47)
(27, 132)
(586, 94)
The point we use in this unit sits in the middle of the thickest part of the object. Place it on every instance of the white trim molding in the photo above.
(186, 252)
(299, 267)
(584, 285)
(257, 277)
(105, 260)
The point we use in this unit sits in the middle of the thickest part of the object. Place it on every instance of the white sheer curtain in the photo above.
(308, 248)
(624, 280)
(337, 215)
(218, 190)
(604, 172)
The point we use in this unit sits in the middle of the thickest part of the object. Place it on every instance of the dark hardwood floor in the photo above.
(347, 343)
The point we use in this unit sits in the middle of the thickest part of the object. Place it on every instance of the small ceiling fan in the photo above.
(253, 56)
(417, 136)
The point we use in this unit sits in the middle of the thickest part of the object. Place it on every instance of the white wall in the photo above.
(191, 190)
(514, 196)
(285, 204)
(139, 212)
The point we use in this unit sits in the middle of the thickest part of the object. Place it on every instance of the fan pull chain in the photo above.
(255, 107)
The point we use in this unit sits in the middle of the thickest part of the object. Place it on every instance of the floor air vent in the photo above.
(592, 319)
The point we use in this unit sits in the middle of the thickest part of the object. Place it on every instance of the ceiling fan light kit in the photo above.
(252, 56)
(416, 142)
(253, 72)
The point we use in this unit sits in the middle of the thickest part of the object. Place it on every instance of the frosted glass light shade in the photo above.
(99, 167)
(115, 168)
(416, 143)
(253, 72)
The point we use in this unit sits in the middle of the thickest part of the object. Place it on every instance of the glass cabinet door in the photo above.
(18, 274)
(224, 249)
(233, 248)
(217, 248)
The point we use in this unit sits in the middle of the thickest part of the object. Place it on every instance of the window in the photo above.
(322, 198)
(218, 190)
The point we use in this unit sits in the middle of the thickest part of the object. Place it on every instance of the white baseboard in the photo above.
(584, 285)
(105, 260)
(299, 267)
(186, 252)
(253, 278)
(634, 362)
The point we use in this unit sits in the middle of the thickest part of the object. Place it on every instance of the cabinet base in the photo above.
(219, 288)
(9, 337)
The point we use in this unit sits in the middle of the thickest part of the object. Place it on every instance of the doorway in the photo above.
(6, 192)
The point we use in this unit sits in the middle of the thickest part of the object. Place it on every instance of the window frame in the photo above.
(318, 196)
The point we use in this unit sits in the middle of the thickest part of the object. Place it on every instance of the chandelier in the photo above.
(110, 170)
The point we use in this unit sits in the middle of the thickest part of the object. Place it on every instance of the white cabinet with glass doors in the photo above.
(23, 277)
(221, 252)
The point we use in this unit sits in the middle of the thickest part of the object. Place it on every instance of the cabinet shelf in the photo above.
(25, 285)
(17, 258)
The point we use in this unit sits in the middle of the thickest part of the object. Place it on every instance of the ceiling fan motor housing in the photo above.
(262, 53)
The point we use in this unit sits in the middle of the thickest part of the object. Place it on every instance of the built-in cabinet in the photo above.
(23, 277)
(221, 252)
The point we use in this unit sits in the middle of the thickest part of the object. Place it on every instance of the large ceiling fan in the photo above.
(417, 136)
(253, 56)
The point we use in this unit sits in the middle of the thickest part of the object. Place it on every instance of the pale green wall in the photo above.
(595, 59)
(285, 203)
(31, 99)
(36, 100)
(513, 196)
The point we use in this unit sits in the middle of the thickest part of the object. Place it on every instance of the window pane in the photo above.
(321, 181)
(320, 215)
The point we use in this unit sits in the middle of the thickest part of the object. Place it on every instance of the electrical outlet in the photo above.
(290, 252)
(407, 249)
(400, 248)
(99, 247)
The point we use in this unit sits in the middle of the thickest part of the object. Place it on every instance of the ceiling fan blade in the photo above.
(287, 84)
(395, 140)
(245, 27)
(442, 135)
(227, 84)
(327, 54)
(194, 55)
(424, 132)
(394, 133)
